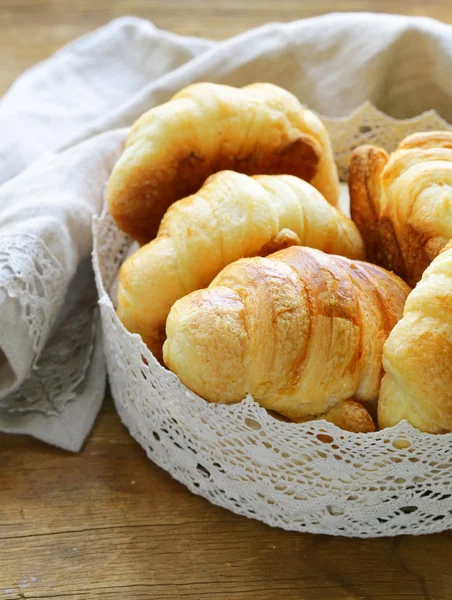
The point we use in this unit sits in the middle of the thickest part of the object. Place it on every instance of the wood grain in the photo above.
(107, 523)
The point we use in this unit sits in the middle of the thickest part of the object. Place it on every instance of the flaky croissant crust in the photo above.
(402, 204)
(232, 216)
(206, 128)
(302, 331)
(417, 359)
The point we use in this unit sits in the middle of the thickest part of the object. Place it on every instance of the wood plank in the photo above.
(108, 521)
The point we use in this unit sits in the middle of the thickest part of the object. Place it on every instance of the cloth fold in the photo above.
(62, 124)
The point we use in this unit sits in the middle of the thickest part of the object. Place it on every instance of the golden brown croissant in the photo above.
(302, 331)
(403, 204)
(206, 128)
(417, 359)
(231, 216)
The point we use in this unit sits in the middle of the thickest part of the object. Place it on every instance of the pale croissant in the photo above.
(206, 128)
(403, 204)
(417, 385)
(301, 330)
(231, 216)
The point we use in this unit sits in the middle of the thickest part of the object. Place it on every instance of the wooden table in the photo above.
(109, 524)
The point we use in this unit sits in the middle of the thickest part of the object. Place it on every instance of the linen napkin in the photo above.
(64, 124)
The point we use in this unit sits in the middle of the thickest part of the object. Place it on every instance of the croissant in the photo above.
(205, 128)
(301, 330)
(402, 204)
(417, 356)
(231, 216)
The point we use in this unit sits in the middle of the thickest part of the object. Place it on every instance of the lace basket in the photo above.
(309, 477)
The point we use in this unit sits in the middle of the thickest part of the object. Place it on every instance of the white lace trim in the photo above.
(368, 125)
(60, 369)
(30, 274)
